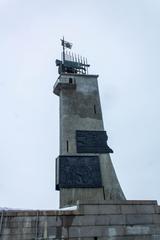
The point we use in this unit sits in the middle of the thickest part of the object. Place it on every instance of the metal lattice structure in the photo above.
(71, 63)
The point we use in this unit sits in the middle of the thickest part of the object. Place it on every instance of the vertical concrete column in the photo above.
(80, 109)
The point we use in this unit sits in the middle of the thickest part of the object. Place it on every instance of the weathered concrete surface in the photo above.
(77, 110)
(113, 220)
(80, 109)
(81, 193)
(112, 188)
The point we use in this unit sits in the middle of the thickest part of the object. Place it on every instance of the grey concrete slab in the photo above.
(156, 218)
(100, 209)
(132, 219)
(139, 209)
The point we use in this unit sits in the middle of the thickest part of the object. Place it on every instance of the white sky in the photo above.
(121, 39)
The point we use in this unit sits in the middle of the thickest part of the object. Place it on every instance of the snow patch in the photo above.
(69, 208)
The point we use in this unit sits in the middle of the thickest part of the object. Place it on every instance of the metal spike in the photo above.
(72, 57)
(65, 53)
(68, 56)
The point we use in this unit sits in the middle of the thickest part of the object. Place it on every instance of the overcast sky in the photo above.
(121, 39)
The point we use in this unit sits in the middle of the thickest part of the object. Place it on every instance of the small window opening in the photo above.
(70, 80)
(95, 110)
(67, 146)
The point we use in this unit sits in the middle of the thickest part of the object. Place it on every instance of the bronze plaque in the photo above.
(78, 172)
(92, 142)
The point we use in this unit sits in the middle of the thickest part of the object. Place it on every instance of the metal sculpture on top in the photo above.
(71, 63)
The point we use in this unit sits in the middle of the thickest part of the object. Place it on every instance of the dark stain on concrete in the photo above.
(67, 223)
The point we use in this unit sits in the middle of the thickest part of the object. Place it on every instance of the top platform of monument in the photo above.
(71, 63)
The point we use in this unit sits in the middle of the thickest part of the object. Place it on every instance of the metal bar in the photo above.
(1, 222)
(72, 57)
(87, 66)
(63, 50)
(81, 63)
(66, 55)
(75, 58)
(84, 71)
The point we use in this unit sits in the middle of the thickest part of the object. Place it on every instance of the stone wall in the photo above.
(107, 220)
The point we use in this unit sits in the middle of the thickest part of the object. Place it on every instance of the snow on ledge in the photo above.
(73, 208)
(12, 209)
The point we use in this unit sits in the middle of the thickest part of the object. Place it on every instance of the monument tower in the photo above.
(84, 170)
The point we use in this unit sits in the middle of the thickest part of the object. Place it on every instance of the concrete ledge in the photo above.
(120, 220)
(117, 209)
(77, 75)
(122, 202)
(102, 207)
(29, 213)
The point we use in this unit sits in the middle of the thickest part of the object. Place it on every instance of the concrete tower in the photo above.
(84, 170)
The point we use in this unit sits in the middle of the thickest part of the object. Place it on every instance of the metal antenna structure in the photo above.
(71, 63)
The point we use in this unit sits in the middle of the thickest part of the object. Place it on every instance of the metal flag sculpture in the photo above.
(70, 63)
(66, 44)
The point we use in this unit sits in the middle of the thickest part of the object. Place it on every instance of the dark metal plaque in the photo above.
(78, 172)
(92, 142)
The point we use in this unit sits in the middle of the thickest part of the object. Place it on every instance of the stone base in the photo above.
(107, 220)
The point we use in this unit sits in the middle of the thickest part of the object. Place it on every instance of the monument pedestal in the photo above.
(106, 220)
